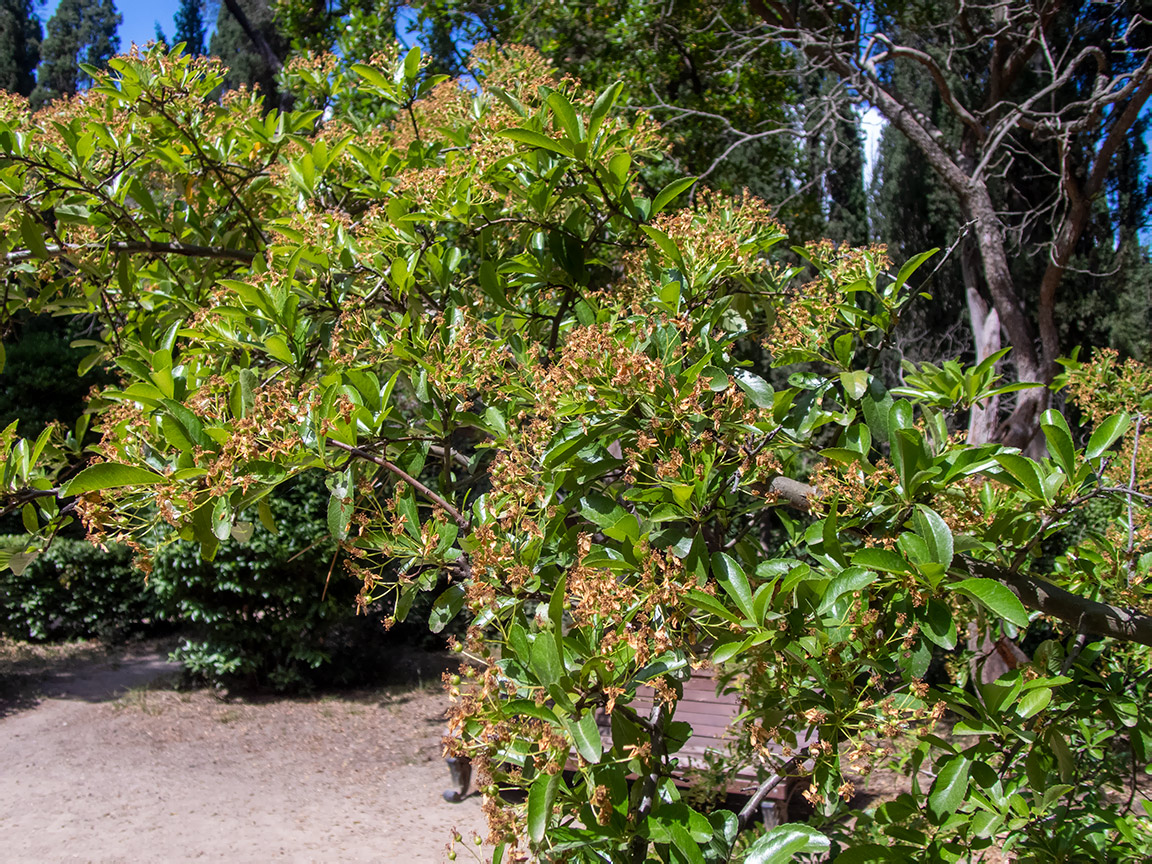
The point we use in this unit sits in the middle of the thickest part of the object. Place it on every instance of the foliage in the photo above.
(521, 374)
(75, 591)
(20, 35)
(80, 33)
(274, 608)
(40, 384)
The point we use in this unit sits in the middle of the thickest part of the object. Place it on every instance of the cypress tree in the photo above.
(81, 31)
(190, 28)
(20, 35)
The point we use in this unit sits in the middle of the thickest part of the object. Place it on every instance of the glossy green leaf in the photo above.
(446, 607)
(535, 139)
(671, 192)
(935, 533)
(586, 736)
(782, 844)
(851, 579)
(541, 796)
(996, 597)
(732, 579)
(1106, 434)
(758, 390)
(1059, 438)
(949, 788)
(110, 475)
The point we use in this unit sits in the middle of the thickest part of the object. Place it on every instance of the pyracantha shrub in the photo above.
(636, 439)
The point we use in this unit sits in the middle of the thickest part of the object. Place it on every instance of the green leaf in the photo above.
(851, 579)
(666, 244)
(758, 390)
(949, 788)
(446, 607)
(248, 383)
(1034, 701)
(28, 517)
(586, 735)
(784, 842)
(565, 114)
(1023, 471)
(372, 76)
(33, 236)
(670, 193)
(876, 558)
(936, 534)
(540, 799)
(545, 659)
(937, 624)
(855, 384)
(222, 518)
(278, 348)
(998, 598)
(1059, 438)
(535, 139)
(556, 615)
(910, 267)
(1106, 434)
(684, 843)
(733, 581)
(340, 510)
(110, 475)
(602, 106)
(266, 518)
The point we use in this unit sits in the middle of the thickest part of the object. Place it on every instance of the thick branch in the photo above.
(255, 36)
(1101, 618)
(1089, 615)
(749, 810)
(942, 87)
(152, 247)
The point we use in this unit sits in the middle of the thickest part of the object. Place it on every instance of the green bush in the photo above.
(266, 612)
(75, 590)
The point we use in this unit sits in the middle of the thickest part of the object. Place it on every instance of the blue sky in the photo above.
(140, 17)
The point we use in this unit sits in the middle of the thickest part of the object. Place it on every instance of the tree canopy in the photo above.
(639, 436)
(81, 33)
(20, 35)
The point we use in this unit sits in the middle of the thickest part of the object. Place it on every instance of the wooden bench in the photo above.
(711, 716)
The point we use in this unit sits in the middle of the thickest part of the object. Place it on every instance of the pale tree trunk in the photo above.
(983, 418)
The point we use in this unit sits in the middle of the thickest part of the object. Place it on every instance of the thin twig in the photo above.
(1074, 652)
(436, 499)
(1131, 486)
(768, 785)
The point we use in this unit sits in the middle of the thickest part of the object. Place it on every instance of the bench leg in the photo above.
(770, 813)
(460, 768)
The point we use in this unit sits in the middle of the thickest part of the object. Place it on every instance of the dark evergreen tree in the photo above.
(190, 26)
(844, 184)
(20, 35)
(247, 65)
(81, 31)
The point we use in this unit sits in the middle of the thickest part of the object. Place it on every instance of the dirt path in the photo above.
(97, 767)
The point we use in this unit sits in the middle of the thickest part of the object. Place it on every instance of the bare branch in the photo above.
(151, 247)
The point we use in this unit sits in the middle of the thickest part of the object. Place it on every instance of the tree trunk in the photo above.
(982, 420)
(1022, 426)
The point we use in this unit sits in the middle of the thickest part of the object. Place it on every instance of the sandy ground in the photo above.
(103, 761)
